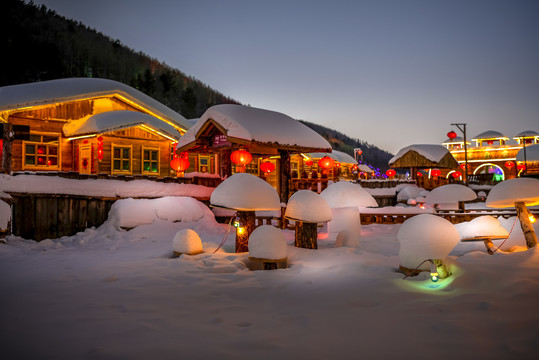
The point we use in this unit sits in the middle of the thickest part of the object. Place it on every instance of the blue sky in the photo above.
(392, 73)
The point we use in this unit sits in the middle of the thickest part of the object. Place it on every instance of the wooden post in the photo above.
(527, 228)
(7, 141)
(225, 164)
(247, 226)
(284, 175)
(306, 235)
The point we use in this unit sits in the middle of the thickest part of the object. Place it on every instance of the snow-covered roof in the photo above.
(490, 134)
(335, 155)
(364, 168)
(115, 120)
(257, 125)
(532, 153)
(527, 133)
(434, 153)
(72, 89)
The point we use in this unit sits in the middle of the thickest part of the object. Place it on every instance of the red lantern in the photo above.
(419, 173)
(326, 162)
(490, 142)
(267, 167)
(451, 135)
(241, 157)
(391, 173)
(509, 164)
(463, 166)
(309, 162)
(456, 174)
(180, 164)
(521, 167)
(435, 172)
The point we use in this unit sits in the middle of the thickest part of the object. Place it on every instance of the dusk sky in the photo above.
(392, 73)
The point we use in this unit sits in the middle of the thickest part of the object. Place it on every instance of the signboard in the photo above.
(220, 141)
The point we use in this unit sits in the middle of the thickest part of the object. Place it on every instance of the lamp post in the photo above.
(462, 128)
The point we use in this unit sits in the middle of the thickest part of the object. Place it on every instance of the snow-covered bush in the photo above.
(267, 242)
(187, 241)
(424, 237)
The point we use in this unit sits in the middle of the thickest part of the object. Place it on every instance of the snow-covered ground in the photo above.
(108, 293)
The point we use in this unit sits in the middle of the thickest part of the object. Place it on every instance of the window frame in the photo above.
(148, 148)
(36, 166)
(112, 158)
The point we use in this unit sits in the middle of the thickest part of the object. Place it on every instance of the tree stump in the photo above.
(247, 226)
(526, 225)
(306, 235)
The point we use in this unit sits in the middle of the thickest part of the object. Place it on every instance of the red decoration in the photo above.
(509, 164)
(181, 163)
(435, 172)
(326, 162)
(456, 174)
(419, 173)
(309, 162)
(391, 173)
(451, 135)
(100, 148)
(241, 157)
(521, 167)
(490, 142)
(463, 166)
(267, 167)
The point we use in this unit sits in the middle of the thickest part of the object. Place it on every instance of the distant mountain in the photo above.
(372, 155)
(38, 44)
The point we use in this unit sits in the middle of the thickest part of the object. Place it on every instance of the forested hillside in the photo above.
(38, 44)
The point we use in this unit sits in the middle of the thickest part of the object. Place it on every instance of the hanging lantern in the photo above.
(241, 158)
(180, 164)
(456, 174)
(309, 162)
(326, 162)
(509, 164)
(391, 173)
(419, 174)
(463, 166)
(451, 135)
(490, 142)
(267, 167)
(521, 167)
(435, 172)
(100, 148)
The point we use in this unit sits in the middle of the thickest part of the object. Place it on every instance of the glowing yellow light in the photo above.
(532, 218)
(80, 137)
(157, 132)
(240, 230)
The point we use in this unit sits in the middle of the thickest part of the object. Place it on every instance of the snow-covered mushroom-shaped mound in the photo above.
(245, 192)
(482, 226)
(450, 194)
(268, 245)
(345, 194)
(506, 193)
(425, 237)
(308, 206)
(188, 242)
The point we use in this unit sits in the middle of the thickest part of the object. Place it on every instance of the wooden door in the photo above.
(85, 159)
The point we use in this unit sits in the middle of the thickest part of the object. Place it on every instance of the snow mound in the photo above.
(267, 242)
(308, 206)
(424, 237)
(346, 194)
(346, 222)
(408, 191)
(481, 226)
(129, 213)
(449, 194)
(5, 215)
(245, 192)
(506, 193)
(187, 241)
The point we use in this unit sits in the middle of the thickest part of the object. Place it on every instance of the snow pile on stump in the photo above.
(245, 192)
(188, 242)
(308, 206)
(267, 242)
(450, 194)
(481, 226)
(345, 194)
(506, 193)
(424, 237)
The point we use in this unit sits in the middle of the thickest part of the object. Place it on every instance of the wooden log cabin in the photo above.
(86, 125)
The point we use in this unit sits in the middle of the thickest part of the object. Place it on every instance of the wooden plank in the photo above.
(52, 217)
(41, 219)
(65, 216)
(82, 220)
(92, 213)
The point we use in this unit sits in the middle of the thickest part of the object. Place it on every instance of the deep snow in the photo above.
(108, 293)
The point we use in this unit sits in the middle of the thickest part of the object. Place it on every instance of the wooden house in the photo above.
(89, 126)
(270, 138)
